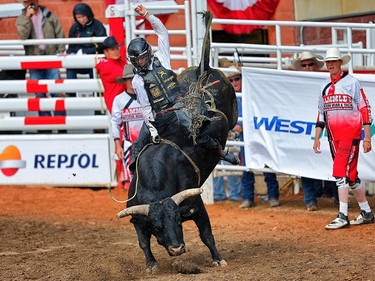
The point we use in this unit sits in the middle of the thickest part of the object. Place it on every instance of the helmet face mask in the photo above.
(138, 49)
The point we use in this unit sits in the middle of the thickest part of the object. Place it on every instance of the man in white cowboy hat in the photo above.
(234, 74)
(126, 120)
(307, 61)
(343, 108)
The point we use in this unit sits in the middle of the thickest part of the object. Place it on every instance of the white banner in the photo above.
(56, 160)
(279, 113)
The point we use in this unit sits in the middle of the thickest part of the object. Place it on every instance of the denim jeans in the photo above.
(310, 189)
(234, 183)
(248, 182)
(46, 74)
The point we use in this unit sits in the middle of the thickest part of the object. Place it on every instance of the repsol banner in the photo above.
(279, 111)
(56, 160)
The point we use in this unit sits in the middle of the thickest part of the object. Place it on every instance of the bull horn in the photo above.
(134, 210)
(181, 196)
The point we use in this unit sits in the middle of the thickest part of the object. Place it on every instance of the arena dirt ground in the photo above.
(72, 234)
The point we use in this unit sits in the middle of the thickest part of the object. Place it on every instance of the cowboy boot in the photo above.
(229, 157)
(212, 144)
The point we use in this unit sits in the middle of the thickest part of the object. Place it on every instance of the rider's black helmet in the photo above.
(137, 48)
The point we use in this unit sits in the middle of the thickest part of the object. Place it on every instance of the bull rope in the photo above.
(136, 184)
(196, 169)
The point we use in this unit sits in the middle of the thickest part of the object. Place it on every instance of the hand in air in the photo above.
(140, 10)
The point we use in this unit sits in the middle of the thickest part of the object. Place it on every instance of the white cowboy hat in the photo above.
(307, 55)
(233, 69)
(334, 54)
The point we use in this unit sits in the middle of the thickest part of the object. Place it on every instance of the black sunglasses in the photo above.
(235, 79)
(310, 64)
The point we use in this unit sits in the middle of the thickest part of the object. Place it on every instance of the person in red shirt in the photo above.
(109, 68)
(343, 111)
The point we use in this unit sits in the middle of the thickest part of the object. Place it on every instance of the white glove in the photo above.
(154, 133)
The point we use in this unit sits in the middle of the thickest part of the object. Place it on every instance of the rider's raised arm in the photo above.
(161, 31)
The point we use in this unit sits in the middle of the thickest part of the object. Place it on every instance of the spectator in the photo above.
(37, 22)
(248, 178)
(157, 88)
(85, 26)
(343, 121)
(110, 68)
(234, 182)
(307, 61)
(126, 120)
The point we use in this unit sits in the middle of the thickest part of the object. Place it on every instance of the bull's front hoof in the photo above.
(152, 268)
(219, 263)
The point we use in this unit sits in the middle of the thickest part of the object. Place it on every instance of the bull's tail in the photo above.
(205, 57)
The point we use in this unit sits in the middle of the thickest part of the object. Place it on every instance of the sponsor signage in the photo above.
(279, 114)
(33, 160)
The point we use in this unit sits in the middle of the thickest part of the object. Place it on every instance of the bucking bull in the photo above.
(165, 189)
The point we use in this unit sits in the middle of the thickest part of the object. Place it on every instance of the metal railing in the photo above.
(279, 51)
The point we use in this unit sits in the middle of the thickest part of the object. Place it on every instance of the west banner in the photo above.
(279, 111)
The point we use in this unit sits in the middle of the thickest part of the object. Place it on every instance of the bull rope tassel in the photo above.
(210, 103)
(136, 183)
(193, 101)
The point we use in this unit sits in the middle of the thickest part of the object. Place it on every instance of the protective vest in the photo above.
(161, 86)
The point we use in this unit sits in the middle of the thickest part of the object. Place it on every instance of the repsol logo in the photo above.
(53, 161)
(284, 125)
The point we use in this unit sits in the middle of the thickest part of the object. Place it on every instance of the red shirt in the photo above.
(109, 70)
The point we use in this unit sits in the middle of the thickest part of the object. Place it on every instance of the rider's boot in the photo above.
(229, 157)
(210, 143)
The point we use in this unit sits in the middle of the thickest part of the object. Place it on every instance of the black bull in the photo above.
(166, 185)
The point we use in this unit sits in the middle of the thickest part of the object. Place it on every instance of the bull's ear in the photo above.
(188, 211)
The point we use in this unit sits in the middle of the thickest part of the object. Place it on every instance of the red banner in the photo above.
(243, 10)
